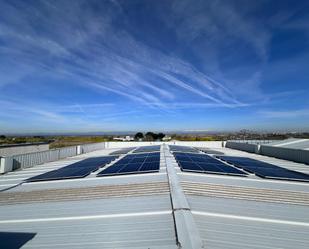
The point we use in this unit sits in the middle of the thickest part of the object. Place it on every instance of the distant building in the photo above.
(166, 138)
(126, 138)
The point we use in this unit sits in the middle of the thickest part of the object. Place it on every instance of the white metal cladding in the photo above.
(67, 152)
(234, 233)
(211, 144)
(28, 160)
(296, 155)
(85, 148)
(133, 232)
(22, 149)
(130, 222)
(253, 148)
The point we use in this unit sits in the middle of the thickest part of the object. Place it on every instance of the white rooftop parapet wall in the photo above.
(290, 154)
(208, 144)
(23, 149)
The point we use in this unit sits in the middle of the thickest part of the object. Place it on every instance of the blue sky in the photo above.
(153, 65)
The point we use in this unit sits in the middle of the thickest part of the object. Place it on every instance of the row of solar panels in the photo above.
(203, 163)
(263, 169)
(139, 163)
(142, 149)
(191, 161)
(178, 148)
(134, 163)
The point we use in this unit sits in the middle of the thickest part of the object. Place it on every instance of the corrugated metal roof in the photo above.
(158, 210)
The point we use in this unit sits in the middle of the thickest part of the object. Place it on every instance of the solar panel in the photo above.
(265, 170)
(131, 167)
(76, 170)
(150, 167)
(202, 163)
(134, 164)
(190, 166)
(151, 148)
(121, 151)
(182, 149)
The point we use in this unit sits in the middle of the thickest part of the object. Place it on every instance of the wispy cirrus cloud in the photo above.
(122, 64)
(106, 60)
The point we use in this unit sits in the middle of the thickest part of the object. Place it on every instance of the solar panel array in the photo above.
(121, 151)
(265, 170)
(201, 163)
(182, 149)
(134, 164)
(76, 170)
(151, 148)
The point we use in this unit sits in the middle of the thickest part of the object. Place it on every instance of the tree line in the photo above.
(149, 136)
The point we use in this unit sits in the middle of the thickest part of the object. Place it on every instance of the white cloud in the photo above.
(82, 44)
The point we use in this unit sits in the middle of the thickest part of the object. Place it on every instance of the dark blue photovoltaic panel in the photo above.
(76, 170)
(134, 163)
(131, 167)
(111, 170)
(122, 151)
(137, 160)
(182, 149)
(265, 170)
(150, 167)
(203, 163)
(189, 166)
(13, 240)
(151, 148)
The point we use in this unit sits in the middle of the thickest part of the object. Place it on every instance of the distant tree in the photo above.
(139, 136)
(2, 137)
(150, 136)
(39, 137)
(155, 136)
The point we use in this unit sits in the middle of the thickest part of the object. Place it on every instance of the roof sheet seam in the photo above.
(187, 233)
